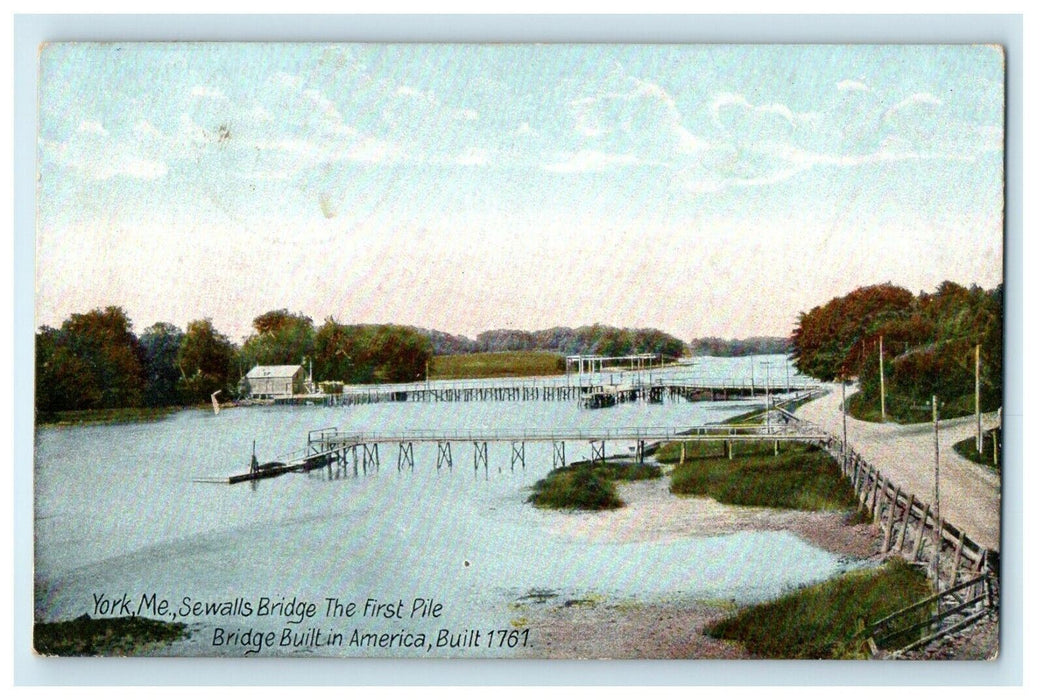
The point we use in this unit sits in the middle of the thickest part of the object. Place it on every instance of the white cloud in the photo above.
(211, 93)
(407, 91)
(92, 127)
(918, 101)
(473, 156)
(641, 118)
(144, 129)
(95, 160)
(852, 86)
(138, 168)
(465, 114)
(589, 161)
(731, 111)
(260, 114)
(373, 150)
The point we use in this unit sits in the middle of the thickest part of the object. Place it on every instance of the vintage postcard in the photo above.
(519, 351)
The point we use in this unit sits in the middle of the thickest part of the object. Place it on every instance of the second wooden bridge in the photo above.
(336, 450)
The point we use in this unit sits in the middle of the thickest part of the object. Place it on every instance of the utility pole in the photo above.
(938, 518)
(978, 411)
(880, 363)
(844, 427)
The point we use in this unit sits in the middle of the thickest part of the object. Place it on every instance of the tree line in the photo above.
(95, 360)
(928, 343)
(596, 339)
(735, 347)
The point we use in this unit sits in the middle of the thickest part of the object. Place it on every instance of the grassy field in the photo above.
(966, 449)
(98, 416)
(587, 486)
(801, 476)
(827, 620)
(486, 365)
(117, 636)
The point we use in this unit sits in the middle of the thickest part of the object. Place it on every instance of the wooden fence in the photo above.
(934, 617)
(909, 524)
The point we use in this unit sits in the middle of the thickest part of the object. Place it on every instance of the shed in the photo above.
(275, 381)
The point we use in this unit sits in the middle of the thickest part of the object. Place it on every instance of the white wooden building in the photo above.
(275, 381)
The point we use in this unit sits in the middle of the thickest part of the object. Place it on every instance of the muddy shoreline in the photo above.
(623, 629)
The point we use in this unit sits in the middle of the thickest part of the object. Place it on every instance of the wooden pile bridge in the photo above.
(654, 391)
(337, 450)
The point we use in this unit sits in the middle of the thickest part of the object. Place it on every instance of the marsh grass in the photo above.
(827, 620)
(801, 476)
(588, 486)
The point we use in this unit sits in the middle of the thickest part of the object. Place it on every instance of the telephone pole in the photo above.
(844, 427)
(880, 364)
(978, 411)
(938, 518)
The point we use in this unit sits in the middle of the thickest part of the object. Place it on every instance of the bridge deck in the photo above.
(739, 432)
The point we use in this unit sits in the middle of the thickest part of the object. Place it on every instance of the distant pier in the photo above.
(593, 395)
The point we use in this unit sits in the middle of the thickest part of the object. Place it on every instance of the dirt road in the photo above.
(969, 494)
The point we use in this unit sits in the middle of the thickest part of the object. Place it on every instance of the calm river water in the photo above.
(123, 523)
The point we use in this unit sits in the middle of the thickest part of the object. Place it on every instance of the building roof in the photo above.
(266, 371)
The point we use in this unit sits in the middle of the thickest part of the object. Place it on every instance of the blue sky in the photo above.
(704, 190)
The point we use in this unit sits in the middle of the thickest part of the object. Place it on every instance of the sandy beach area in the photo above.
(654, 514)
(595, 629)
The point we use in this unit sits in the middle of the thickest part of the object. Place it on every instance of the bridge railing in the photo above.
(621, 434)
(682, 384)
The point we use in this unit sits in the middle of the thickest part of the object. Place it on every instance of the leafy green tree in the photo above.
(360, 354)
(63, 380)
(279, 338)
(161, 343)
(93, 361)
(839, 335)
(928, 345)
(336, 352)
(206, 360)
